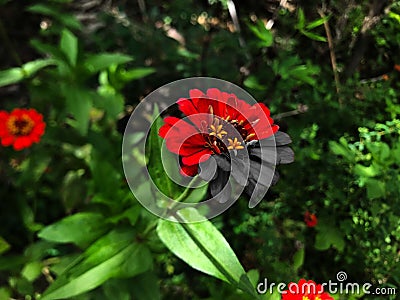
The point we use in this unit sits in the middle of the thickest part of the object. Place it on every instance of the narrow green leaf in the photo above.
(69, 45)
(314, 36)
(80, 229)
(115, 255)
(204, 248)
(137, 73)
(102, 61)
(262, 33)
(318, 22)
(301, 19)
(11, 76)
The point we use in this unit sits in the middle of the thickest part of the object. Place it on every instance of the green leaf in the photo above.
(303, 73)
(204, 248)
(15, 75)
(266, 37)
(155, 164)
(318, 22)
(69, 45)
(32, 270)
(30, 68)
(11, 76)
(375, 188)
(111, 101)
(66, 19)
(252, 82)
(79, 103)
(48, 49)
(301, 19)
(73, 189)
(4, 246)
(136, 73)
(314, 36)
(342, 149)
(115, 255)
(328, 235)
(298, 259)
(364, 171)
(80, 229)
(102, 61)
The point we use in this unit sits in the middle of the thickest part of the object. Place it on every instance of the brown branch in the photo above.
(332, 55)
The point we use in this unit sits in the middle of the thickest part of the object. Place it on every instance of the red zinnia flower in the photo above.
(210, 113)
(227, 128)
(21, 128)
(310, 219)
(305, 290)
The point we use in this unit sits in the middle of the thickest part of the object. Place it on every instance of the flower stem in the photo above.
(187, 190)
(181, 197)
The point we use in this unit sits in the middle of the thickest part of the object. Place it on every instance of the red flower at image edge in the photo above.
(305, 290)
(210, 135)
(21, 128)
(310, 219)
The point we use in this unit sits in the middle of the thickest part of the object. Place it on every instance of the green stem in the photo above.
(187, 190)
(181, 197)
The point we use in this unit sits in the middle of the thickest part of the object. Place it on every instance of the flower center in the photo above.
(224, 138)
(305, 298)
(19, 126)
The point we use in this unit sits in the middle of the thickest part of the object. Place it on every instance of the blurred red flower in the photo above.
(21, 128)
(305, 290)
(310, 219)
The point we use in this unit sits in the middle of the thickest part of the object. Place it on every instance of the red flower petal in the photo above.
(196, 158)
(189, 170)
(22, 142)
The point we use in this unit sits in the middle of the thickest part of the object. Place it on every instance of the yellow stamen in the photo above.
(250, 136)
(216, 129)
(211, 109)
(227, 118)
(20, 126)
(234, 144)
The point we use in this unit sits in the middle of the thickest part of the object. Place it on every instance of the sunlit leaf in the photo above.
(204, 248)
